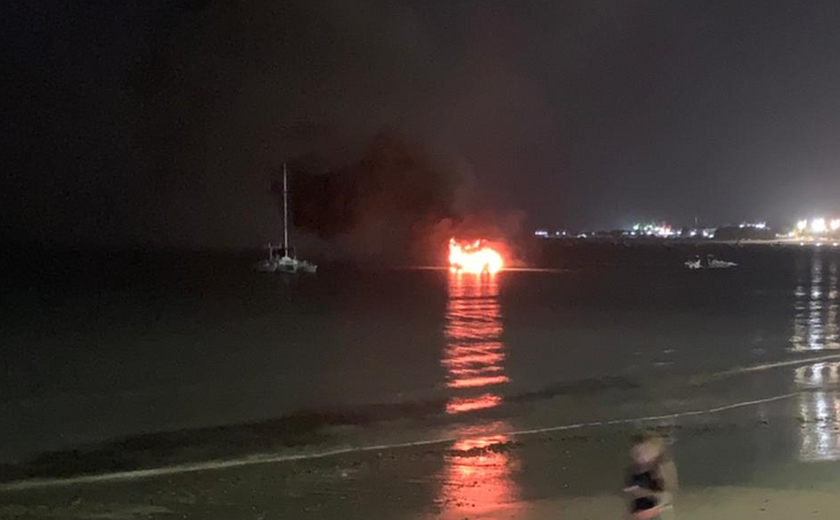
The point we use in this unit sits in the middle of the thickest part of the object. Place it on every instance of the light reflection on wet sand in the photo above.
(819, 411)
(476, 479)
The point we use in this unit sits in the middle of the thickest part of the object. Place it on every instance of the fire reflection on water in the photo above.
(476, 479)
(474, 351)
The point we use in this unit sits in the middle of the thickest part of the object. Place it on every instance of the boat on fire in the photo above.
(473, 257)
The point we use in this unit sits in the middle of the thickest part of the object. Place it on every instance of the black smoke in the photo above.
(385, 204)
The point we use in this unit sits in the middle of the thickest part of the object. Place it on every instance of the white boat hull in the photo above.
(286, 265)
(714, 264)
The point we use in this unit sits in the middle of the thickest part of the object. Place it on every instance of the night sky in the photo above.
(161, 121)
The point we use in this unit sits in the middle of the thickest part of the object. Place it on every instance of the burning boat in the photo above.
(473, 257)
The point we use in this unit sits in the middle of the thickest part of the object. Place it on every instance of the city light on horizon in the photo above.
(816, 228)
(818, 225)
(819, 228)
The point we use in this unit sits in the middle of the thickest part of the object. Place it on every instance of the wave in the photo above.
(299, 435)
(294, 431)
(775, 364)
(137, 474)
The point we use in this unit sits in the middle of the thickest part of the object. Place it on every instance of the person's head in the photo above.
(648, 446)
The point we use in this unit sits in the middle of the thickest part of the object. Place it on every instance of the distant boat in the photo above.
(710, 262)
(282, 259)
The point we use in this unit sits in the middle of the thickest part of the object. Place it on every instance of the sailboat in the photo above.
(282, 259)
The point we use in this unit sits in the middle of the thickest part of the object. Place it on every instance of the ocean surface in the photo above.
(98, 345)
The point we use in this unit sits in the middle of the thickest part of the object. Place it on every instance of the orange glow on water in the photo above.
(469, 404)
(473, 257)
(477, 480)
(474, 353)
(472, 443)
(476, 382)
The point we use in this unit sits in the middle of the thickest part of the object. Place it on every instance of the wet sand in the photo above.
(748, 455)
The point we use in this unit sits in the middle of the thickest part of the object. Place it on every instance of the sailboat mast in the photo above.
(285, 213)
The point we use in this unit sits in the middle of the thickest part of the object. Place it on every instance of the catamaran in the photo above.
(282, 259)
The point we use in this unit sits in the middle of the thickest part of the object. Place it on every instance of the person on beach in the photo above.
(651, 477)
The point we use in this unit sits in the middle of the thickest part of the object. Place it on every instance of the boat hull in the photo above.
(286, 265)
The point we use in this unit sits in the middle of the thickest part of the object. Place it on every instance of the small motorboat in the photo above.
(708, 262)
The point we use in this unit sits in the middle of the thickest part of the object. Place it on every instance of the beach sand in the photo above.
(761, 444)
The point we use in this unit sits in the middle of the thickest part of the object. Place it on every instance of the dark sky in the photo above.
(159, 121)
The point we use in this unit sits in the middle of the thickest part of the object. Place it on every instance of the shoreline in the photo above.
(315, 434)
(489, 475)
(779, 452)
(259, 459)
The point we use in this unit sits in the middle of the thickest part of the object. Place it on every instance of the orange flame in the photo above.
(473, 257)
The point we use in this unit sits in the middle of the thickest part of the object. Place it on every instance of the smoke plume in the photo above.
(398, 203)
